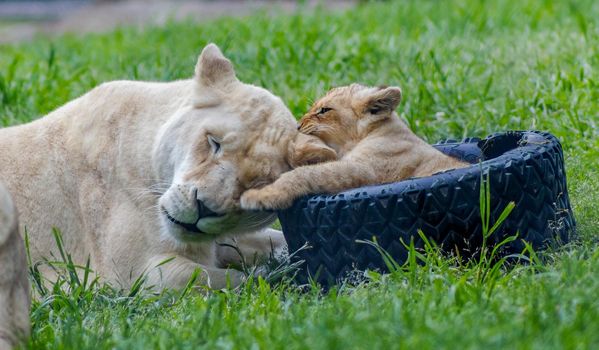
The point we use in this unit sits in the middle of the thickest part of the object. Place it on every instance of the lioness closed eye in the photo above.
(137, 173)
(373, 145)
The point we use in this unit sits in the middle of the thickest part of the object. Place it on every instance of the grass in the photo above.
(467, 68)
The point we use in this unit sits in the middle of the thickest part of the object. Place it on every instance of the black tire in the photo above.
(526, 167)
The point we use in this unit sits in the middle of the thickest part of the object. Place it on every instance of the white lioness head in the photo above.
(231, 137)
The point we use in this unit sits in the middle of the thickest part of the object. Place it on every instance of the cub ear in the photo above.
(308, 149)
(383, 101)
(213, 68)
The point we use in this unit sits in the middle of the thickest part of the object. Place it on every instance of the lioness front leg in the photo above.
(176, 273)
(250, 248)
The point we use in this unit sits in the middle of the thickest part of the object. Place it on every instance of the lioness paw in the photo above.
(265, 199)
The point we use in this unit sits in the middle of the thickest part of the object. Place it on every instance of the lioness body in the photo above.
(119, 171)
(373, 146)
(14, 285)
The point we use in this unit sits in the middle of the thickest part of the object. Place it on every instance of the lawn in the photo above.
(467, 68)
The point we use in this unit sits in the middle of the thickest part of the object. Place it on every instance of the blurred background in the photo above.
(22, 20)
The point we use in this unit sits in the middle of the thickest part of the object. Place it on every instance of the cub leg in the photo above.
(251, 247)
(318, 178)
(175, 274)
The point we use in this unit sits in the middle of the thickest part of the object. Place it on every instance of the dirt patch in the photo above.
(20, 21)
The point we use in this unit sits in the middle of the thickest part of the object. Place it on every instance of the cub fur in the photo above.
(136, 173)
(14, 285)
(372, 144)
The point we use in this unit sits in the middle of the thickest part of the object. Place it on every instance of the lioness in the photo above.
(373, 145)
(14, 285)
(136, 173)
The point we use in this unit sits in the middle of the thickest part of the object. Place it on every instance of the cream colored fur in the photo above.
(14, 285)
(108, 167)
(373, 146)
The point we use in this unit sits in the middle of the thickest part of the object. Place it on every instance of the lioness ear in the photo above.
(308, 149)
(383, 101)
(213, 68)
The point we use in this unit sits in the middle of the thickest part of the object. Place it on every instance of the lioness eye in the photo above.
(323, 110)
(215, 145)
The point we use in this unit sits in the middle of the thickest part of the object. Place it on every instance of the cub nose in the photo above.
(304, 123)
(204, 211)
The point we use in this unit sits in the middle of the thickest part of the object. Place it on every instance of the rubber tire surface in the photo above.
(526, 167)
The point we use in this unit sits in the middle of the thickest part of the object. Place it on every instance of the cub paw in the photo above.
(264, 199)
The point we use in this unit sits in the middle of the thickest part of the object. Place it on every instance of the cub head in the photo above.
(228, 137)
(347, 114)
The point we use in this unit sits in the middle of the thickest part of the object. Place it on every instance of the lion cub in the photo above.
(14, 286)
(373, 146)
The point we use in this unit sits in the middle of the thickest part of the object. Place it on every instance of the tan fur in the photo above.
(373, 145)
(107, 167)
(14, 285)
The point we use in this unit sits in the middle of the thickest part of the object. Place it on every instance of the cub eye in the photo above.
(215, 145)
(323, 110)
(374, 110)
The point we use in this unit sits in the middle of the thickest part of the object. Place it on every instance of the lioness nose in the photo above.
(204, 211)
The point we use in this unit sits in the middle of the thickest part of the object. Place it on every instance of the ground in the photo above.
(466, 68)
(24, 20)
